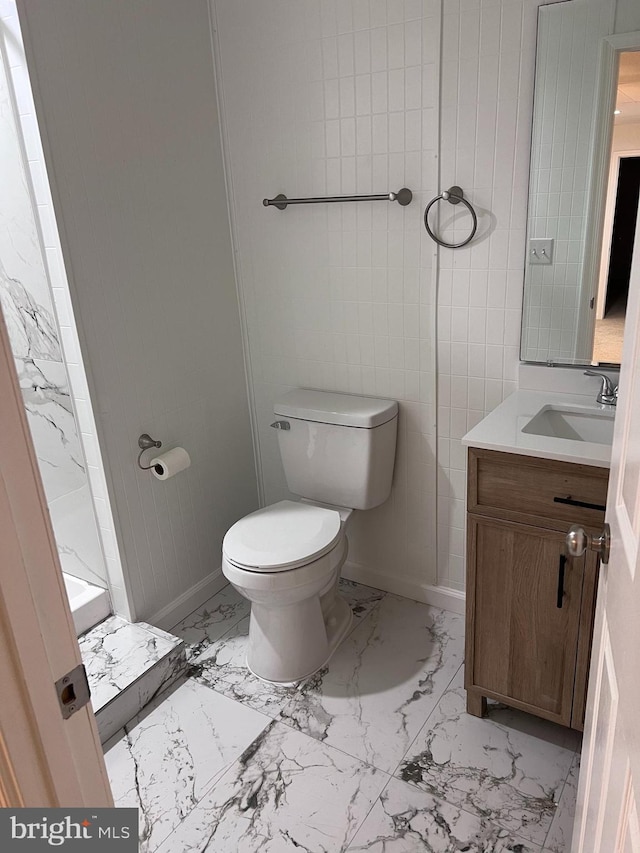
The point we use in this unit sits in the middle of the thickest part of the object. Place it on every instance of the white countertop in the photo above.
(502, 430)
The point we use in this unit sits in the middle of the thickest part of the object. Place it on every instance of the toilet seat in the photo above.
(282, 536)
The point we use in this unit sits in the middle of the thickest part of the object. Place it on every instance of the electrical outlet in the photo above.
(541, 251)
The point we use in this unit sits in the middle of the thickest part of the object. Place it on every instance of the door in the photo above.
(607, 818)
(45, 760)
(622, 238)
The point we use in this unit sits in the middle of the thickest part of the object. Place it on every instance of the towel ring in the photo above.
(453, 195)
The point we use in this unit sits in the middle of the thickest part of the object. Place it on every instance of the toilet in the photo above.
(338, 453)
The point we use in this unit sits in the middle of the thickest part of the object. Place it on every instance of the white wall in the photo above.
(627, 16)
(30, 269)
(126, 101)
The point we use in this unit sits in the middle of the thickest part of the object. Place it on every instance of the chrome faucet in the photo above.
(608, 391)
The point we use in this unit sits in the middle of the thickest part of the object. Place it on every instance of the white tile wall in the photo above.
(485, 137)
(127, 105)
(335, 98)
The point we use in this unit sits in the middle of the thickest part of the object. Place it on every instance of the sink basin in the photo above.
(572, 423)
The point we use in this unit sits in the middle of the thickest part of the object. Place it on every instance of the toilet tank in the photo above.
(337, 448)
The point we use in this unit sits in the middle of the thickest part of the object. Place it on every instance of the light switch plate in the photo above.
(541, 250)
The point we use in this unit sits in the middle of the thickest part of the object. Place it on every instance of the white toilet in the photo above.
(338, 453)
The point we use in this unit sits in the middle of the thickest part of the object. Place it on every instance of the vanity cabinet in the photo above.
(529, 607)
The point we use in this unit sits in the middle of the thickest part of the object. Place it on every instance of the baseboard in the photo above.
(188, 601)
(438, 596)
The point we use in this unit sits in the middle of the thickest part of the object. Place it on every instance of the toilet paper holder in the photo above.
(145, 442)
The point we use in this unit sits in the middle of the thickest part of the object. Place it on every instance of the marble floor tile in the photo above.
(561, 831)
(169, 757)
(156, 679)
(208, 623)
(225, 609)
(406, 820)
(382, 683)
(116, 653)
(287, 792)
(511, 774)
(361, 599)
(306, 768)
(223, 667)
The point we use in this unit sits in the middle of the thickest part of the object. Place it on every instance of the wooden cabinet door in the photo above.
(521, 644)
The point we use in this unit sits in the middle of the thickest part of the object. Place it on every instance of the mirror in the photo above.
(621, 211)
(584, 188)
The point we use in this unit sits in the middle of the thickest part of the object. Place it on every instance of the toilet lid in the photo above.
(280, 536)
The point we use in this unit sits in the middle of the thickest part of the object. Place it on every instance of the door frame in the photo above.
(609, 216)
(44, 759)
(611, 48)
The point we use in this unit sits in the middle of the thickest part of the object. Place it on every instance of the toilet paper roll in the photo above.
(169, 464)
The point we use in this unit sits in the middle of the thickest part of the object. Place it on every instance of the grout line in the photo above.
(475, 815)
(325, 744)
(364, 819)
(390, 776)
(196, 680)
(406, 752)
(271, 724)
(440, 796)
(356, 622)
(196, 609)
(214, 781)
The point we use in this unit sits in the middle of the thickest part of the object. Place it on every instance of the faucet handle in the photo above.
(608, 393)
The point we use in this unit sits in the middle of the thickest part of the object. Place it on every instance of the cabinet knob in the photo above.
(578, 540)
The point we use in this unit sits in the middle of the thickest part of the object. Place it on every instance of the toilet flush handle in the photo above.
(281, 425)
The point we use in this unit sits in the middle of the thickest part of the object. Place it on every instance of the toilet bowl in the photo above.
(286, 560)
(338, 455)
